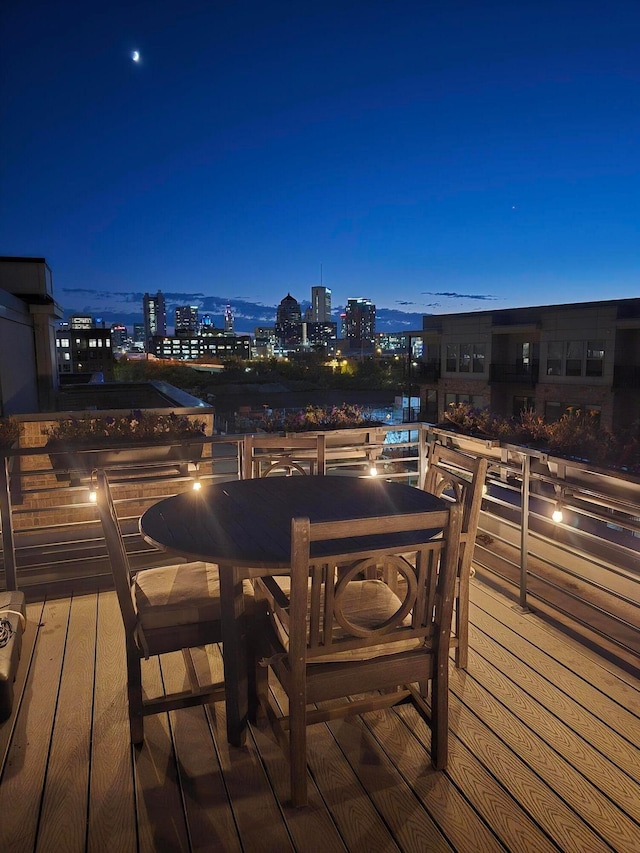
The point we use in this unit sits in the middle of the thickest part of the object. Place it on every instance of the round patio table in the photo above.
(245, 527)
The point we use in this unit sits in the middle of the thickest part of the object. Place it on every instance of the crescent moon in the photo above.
(135, 56)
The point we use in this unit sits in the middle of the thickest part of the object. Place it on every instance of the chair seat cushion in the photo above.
(180, 595)
(365, 604)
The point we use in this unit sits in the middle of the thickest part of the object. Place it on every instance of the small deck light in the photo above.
(556, 515)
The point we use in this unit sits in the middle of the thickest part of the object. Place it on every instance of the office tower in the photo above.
(119, 337)
(138, 335)
(155, 316)
(186, 320)
(288, 327)
(320, 305)
(360, 325)
(228, 320)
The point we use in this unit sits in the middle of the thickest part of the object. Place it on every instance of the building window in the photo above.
(452, 358)
(475, 400)
(464, 365)
(465, 358)
(573, 364)
(523, 404)
(478, 358)
(595, 358)
(569, 359)
(554, 358)
(553, 411)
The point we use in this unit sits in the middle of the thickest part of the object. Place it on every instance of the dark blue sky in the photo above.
(431, 156)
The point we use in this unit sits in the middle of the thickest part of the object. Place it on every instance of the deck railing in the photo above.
(582, 572)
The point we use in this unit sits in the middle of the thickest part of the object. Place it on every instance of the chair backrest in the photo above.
(267, 454)
(453, 475)
(324, 569)
(118, 558)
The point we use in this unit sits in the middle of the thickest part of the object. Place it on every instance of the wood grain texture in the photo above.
(543, 753)
(26, 766)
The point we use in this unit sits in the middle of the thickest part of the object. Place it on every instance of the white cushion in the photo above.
(179, 595)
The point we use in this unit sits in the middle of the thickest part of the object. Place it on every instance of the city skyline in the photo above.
(430, 157)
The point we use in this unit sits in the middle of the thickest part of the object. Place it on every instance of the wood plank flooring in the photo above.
(544, 754)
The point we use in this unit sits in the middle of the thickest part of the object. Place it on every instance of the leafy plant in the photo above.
(345, 416)
(576, 434)
(137, 426)
(9, 431)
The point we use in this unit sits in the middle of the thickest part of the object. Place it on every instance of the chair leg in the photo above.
(134, 695)
(462, 622)
(440, 716)
(298, 752)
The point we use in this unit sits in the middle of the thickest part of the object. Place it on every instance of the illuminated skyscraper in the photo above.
(228, 319)
(320, 305)
(360, 325)
(154, 315)
(288, 328)
(186, 319)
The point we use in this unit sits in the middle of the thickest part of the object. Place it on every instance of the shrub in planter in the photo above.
(9, 431)
(97, 439)
(576, 435)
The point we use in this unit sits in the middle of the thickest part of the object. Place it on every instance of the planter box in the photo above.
(76, 463)
(358, 444)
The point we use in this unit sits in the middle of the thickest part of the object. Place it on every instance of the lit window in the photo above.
(595, 358)
(465, 358)
(92, 343)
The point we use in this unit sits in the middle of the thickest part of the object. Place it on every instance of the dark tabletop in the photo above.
(247, 523)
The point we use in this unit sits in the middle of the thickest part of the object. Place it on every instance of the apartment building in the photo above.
(549, 358)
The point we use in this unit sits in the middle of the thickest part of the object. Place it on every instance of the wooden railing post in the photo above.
(524, 528)
(8, 547)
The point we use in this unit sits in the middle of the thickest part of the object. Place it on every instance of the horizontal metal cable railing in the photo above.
(582, 571)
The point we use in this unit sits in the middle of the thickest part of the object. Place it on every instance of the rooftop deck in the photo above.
(545, 753)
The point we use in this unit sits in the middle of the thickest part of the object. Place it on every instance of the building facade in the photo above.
(186, 320)
(218, 345)
(154, 316)
(359, 326)
(28, 318)
(288, 326)
(320, 305)
(551, 359)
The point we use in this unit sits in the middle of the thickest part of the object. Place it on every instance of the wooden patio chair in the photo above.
(333, 633)
(274, 454)
(167, 609)
(456, 476)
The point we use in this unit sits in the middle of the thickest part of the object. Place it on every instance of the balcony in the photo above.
(519, 373)
(626, 376)
(545, 724)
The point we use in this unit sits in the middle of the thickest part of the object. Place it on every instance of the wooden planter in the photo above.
(75, 463)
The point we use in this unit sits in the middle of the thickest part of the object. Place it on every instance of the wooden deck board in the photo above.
(112, 812)
(65, 801)
(544, 753)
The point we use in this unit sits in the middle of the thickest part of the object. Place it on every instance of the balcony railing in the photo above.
(626, 376)
(515, 372)
(582, 572)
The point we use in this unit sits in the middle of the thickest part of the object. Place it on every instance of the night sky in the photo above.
(431, 156)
